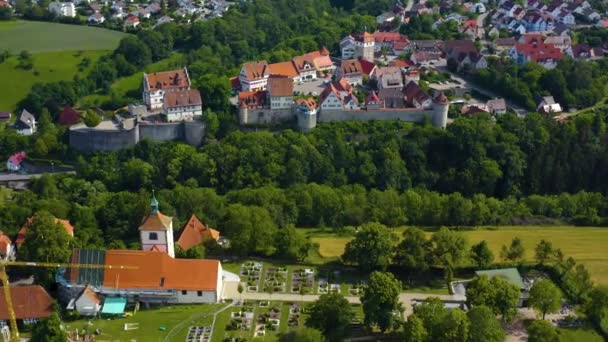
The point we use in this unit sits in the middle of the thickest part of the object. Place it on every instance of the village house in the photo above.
(15, 161)
(561, 42)
(254, 76)
(280, 92)
(351, 70)
(131, 22)
(31, 303)
(306, 107)
(584, 52)
(471, 61)
(359, 45)
(504, 44)
(497, 106)
(182, 105)
(388, 77)
(546, 55)
(332, 99)
(26, 123)
(196, 233)
(88, 303)
(156, 231)
(63, 9)
(157, 84)
(96, 19)
(416, 97)
(372, 101)
(393, 41)
(547, 105)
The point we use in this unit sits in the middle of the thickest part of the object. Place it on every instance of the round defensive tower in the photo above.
(441, 104)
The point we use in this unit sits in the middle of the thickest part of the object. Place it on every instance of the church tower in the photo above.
(156, 231)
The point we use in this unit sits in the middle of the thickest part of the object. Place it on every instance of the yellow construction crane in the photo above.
(7, 288)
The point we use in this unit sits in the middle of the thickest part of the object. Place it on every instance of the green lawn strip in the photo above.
(150, 322)
(48, 67)
(39, 36)
(579, 335)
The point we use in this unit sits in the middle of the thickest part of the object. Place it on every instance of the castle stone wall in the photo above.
(161, 131)
(409, 115)
(194, 132)
(103, 140)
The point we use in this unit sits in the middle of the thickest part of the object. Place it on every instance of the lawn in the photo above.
(150, 323)
(578, 335)
(48, 67)
(586, 245)
(37, 36)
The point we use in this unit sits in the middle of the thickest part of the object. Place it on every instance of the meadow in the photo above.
(586, 245)
(48, 67)
(37, 36)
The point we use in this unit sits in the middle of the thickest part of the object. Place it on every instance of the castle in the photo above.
(338, 102)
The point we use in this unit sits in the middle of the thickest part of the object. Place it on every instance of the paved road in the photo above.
(230, 292)
(519, 110)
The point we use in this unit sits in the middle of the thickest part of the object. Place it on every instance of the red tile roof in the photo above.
(168, 80)
(69, 229)
(280, 86)
(284, 69)
(183, 98)
(160, 271)
(156, 221)
(365, 37)
(256, 70)
(68, 116)
(252, 99)
(385, 37)
(5, 242)
(366, 66)
(539, 52)
(30, 301)
(309, 102)
(351, 66)
(195, 233)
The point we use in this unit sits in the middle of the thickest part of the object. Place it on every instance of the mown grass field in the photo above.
(48, 67)
(36, 36)
(150, 323)
(586, 245)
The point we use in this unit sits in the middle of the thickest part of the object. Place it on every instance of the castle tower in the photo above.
(156, 231)
(365, 45)
(441, 104)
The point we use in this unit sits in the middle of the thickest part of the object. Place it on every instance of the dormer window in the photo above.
(153, 236)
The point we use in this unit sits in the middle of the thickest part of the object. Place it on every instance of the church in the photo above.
(151, 275)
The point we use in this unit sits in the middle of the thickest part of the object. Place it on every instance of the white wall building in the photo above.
(156, 231)
(157, 84)
(185, 105)
(63, 9)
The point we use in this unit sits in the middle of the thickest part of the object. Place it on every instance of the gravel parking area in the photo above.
(314, 87)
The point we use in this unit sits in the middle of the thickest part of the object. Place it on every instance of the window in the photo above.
(153, 236)
(184, 292)
(199, 293)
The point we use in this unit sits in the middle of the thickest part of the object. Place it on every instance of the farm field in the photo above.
(586, 245)
(48, 67)
(150, 323)
(37, 36)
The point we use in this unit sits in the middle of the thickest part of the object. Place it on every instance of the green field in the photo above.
(36, 36)
(150, 323)
(586, 245)
(48, 67)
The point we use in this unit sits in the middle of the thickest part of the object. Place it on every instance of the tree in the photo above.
(331, 314)
(431, 312)
(449, 250)
(291, 245)
(91, 118)
(545, 297)
(135, 51)
(250, 229)
(380, 300)
(454, 327)
(482, 255)
(302, 335)
(215, 92)
(597, 308)
(195, 252)
(484, 326)
(371, 249)
(542, 331)
(513, 253)
(212, 123)
(26, 61)
(414, 251)
(49, 330)
(495, 293)
(544, 251)
(414, 330)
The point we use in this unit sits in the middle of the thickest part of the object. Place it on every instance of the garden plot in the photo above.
(302, 280)
(241, 320)
(251, 274)
(275, 279)
(198, 334)
(268, 321)
(293, 320)
(326, 287)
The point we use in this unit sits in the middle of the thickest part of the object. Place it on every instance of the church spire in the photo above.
(154, 203)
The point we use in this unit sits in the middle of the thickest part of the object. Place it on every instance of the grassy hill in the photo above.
(48, 67)
(35, 36)
(586, 245)
(57, 49)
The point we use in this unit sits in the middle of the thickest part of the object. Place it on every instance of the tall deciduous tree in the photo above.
(302, 335)
(454, 327)
(482, 255)
(371, 249)
(250, 229)
(545, 297)
(597, 308)
(515, 252)
(414, 251)
(449, 250)
(414, 330)
(380, 300)
(331, 314)
(49, 330)
(484, 325)
(544, 251)
(495, 293)
(291, 245)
